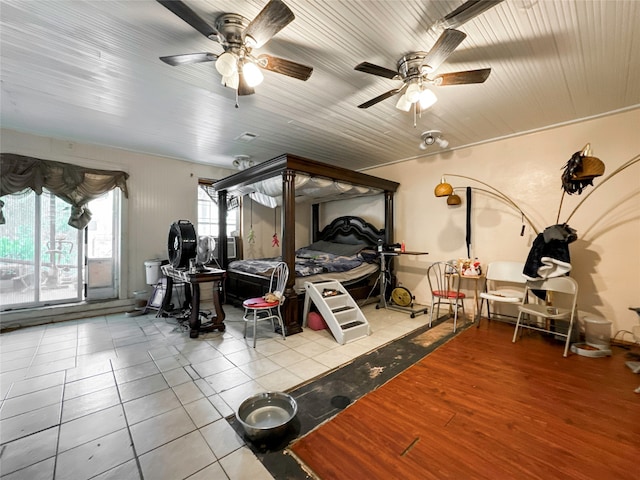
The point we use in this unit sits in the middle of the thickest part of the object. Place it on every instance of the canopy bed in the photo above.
(284, 181)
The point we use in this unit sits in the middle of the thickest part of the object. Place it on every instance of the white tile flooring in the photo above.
(118, 397)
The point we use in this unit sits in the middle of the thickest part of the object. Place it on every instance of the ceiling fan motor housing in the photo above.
(410, 66)
(231, 27)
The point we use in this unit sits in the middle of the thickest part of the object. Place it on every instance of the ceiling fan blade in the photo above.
(175, 60)
(271, 19)
(192, 18)
(444, 46)
(465, 12)
(380, 98)
(367, 67)
(462, 78)
(243, 88)
(284, 67)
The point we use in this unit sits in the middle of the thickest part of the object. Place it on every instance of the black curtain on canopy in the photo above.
(73, 184)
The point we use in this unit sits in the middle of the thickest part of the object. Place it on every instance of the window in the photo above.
(103, 247)
(208, 214)
(42, 258)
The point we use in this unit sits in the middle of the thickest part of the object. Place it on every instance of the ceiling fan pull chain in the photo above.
(237, 100)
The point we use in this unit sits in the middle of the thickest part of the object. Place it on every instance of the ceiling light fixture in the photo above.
(430, 137)
(242, 162)
(416, 94)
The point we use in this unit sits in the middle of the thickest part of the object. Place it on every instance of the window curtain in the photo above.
(73, 184)
(233, 201)
(211, 193)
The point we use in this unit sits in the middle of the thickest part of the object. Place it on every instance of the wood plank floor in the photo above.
(483, 407)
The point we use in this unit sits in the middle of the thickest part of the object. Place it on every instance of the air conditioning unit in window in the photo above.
(232, 248)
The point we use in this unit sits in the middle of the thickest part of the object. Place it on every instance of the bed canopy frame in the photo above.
(287, 167)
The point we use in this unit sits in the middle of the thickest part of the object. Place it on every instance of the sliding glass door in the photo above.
(40, 254)
(43, 259)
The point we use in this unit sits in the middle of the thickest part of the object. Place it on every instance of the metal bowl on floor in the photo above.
(266, 416)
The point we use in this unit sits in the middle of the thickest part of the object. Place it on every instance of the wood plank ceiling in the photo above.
(88, 71)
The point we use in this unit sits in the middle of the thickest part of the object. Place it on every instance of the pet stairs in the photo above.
(339, 310)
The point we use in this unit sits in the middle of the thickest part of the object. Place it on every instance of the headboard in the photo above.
(352, 231)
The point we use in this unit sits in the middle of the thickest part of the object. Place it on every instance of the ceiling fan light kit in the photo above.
(232, 81)
(427, 98)
(403, 104)
(252, 74)
(227, 64)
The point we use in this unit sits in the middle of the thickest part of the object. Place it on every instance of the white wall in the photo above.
(605, 258)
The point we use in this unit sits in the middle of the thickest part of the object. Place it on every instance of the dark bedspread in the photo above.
(308, 262)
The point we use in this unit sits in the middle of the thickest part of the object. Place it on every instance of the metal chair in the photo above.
(550, 314)
(444, 283)
(504, 284)
(258, 309)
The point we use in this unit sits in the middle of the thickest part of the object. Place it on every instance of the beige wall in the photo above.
(605, 258)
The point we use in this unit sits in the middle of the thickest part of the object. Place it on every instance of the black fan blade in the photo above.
(284, 67)
(467, 11)
(175, 60)
(243, 88)
(462, 78)
(192, 18)
(367, 67)
(380, 98)
(444, 46)
(271, 19)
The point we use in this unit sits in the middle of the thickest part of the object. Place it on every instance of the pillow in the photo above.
(343, 249)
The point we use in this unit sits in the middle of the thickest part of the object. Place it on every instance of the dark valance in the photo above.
(73, 184)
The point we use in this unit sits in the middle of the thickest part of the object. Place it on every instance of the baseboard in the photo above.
(28, 317)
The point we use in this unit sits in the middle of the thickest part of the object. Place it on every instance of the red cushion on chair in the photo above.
(448, 294)
(258, 302)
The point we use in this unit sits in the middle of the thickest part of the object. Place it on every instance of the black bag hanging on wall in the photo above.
(468, 222)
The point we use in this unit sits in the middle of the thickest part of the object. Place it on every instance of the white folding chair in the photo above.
(258, 309)
(549, 315)
(504, 284)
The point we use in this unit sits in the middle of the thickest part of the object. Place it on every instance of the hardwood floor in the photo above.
(483, 407)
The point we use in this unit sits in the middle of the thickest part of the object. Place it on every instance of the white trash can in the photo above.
(152, 268)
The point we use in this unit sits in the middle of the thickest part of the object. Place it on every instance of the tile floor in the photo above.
(118, 397)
